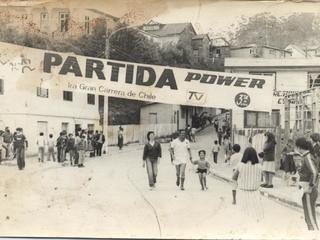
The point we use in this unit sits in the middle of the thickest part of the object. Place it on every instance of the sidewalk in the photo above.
(289, 195)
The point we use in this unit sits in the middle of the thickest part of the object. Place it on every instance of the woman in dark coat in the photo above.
(151, 155)
(268, 163)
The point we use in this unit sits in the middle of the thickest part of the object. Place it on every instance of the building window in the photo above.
(64, 22)
(65, 126)
(313, 79)
(272, 51)
(44, 20)
(218, 51)
(151, 27)
(1, 87)
(42, 92)
(153, 118)
(196, 55)
(87, 25)
(91, 99)
(90, 127)
(251, 51)
(67, 95)
(253, 119)
(273, 74)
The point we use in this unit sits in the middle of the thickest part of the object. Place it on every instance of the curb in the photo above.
(269, 195)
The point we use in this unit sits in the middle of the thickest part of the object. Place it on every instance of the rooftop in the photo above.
(272, 62)
(256, 45)
(164, 30)
(200, 36)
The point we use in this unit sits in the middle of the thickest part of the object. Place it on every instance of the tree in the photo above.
(266, 29)
(127, 44)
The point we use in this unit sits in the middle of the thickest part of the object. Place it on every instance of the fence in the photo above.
(256, 136)
(138, 133)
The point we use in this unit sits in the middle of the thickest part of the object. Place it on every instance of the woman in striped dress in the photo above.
(248, 178)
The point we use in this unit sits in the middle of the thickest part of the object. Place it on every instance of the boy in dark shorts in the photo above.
(203, 169)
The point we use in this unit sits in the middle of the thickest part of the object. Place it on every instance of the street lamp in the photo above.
(107, 50)
(106, 99)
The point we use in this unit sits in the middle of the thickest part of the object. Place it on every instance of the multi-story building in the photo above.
(45, 110)
(289, 75)
(219, 49)
(55, 21)
(168, 33)
(183, 33)
(200, 47)
(256, 51)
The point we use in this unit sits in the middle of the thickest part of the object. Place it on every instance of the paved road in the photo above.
(110, 198)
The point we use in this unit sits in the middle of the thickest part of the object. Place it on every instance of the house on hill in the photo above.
(259, 51)
(167, 33)
(55, 21)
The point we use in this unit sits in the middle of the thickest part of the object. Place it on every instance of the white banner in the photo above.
(30, 68)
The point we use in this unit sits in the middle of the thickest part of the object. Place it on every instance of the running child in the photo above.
(203, 169)
(215, 151)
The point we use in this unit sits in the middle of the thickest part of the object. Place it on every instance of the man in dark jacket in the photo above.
(308, 181)
(100, 140)
(20, 144)
(151, 154)
(71, 148)
(61, 147)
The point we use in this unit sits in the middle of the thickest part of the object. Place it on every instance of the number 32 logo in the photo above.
(242, 100)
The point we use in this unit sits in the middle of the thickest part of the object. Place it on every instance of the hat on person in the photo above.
(19, 129)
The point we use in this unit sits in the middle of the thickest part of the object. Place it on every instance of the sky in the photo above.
(206, 15)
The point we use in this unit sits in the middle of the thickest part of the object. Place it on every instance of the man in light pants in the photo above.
(180, 152)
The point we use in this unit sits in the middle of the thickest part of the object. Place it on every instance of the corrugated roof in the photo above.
(103, 13)
(200, 36)
(169, 29)
(271, 62)
(256, 45)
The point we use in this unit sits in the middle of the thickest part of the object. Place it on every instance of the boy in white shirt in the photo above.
(215, 151)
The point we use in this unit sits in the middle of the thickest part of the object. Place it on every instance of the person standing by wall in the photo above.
(20, 144)
(7, 139)
(82, 147)
(268, 163)
(76, 154)
(220, 133)
(308, 182)
(180, 152)
(100, 140)
(120, 138)
(288, 164)
(235, 159)
(59, 146)
(41, 142)
(226, 149)
(151, 155)
(71, 145)
(51, 144)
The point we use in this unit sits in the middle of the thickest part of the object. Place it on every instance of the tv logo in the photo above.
(196, 97)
